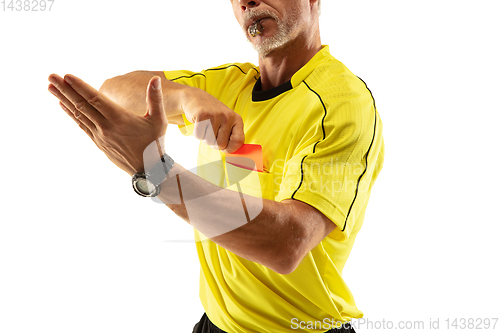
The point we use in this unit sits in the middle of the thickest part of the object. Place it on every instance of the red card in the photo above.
(249, 156)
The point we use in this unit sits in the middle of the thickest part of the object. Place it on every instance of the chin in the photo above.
(269, 45)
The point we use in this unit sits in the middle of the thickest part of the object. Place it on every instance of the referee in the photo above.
(277, 205)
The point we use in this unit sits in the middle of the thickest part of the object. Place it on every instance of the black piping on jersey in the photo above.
(366, 155)
(324, 136)
(213, 69)
(367, 152)
(257, 94)
(314, 148)
(187, 77)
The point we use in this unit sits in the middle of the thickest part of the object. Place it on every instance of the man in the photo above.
(272, 241)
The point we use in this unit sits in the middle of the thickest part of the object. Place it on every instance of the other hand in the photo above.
(226, 133)
(120, 134)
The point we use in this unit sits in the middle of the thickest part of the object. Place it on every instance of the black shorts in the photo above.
(206, 326)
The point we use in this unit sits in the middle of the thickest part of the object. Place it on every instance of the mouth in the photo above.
(255, 29)
(255, 26)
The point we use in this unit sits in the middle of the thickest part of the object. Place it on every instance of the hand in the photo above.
(120, 134)
(226, 132)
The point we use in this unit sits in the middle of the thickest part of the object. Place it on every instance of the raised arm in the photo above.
(129, 91)
(279, 237)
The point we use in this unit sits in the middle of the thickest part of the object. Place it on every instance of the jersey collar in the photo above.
(259, 95)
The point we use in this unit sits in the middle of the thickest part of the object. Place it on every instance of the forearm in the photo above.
(272, 238)
(129, 91)
(198, 106)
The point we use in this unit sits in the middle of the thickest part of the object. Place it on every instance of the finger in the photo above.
(223, 136)
(237, 137)
(154, 98)
(78, 101)
(79, 123)
(71, 108)
(100, 102)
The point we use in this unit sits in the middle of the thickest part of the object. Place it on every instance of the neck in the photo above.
(279, 66)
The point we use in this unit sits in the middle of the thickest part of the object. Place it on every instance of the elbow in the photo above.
(285, 269)
(287, 261)
(289, 252)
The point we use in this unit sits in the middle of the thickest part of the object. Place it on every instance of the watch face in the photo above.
(145, 186)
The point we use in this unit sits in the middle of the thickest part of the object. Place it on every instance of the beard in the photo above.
(283, 35)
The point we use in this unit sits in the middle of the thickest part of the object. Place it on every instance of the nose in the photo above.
(245, 4)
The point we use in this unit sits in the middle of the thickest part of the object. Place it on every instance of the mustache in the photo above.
(253, 13)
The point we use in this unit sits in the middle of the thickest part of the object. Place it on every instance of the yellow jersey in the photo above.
(322, 144)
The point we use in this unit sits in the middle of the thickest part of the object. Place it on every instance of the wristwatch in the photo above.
(147, 184)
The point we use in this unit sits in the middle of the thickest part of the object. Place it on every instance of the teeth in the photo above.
(256, 29)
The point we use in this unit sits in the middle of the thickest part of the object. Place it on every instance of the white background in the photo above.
(81, 252)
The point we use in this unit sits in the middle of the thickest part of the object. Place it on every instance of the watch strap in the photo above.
(160, 170)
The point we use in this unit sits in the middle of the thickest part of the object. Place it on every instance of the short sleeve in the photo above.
(188, 78)
(336, 160)
(224, 82)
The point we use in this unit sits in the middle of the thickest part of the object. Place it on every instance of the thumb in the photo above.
(154, 98)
